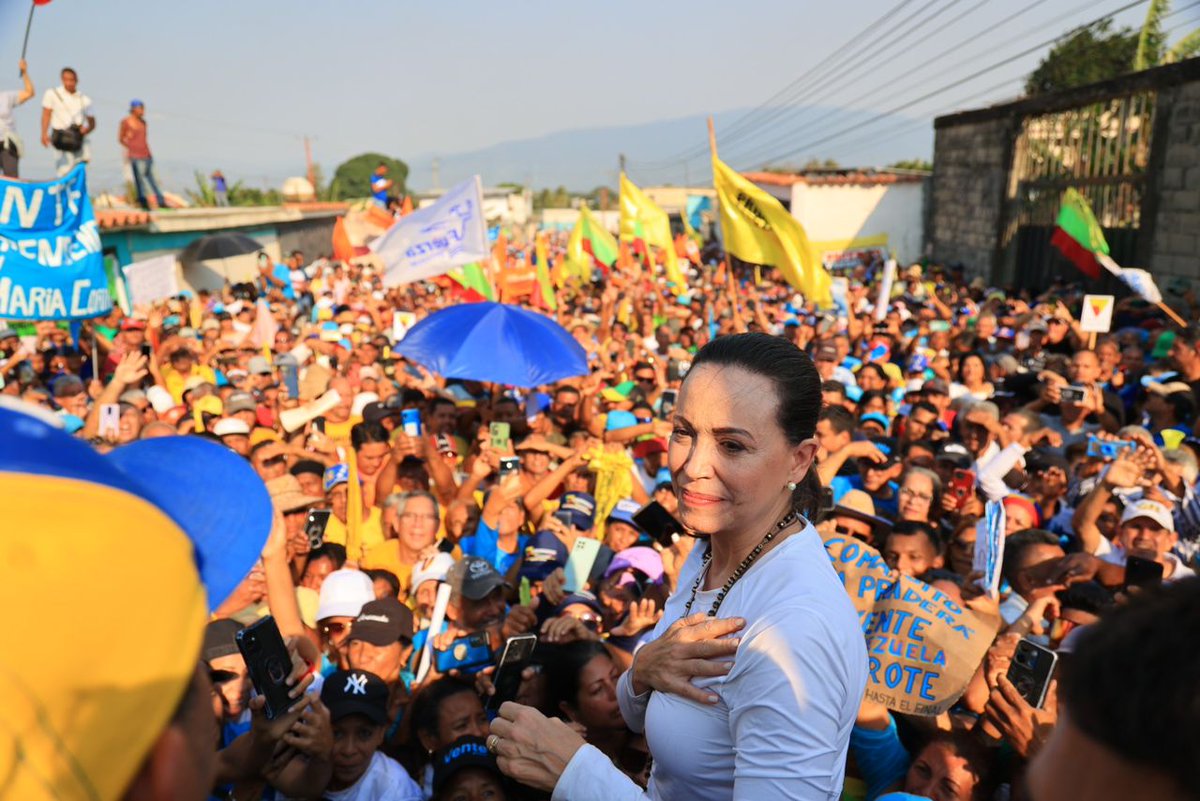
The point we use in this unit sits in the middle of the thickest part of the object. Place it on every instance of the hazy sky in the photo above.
(237, 83)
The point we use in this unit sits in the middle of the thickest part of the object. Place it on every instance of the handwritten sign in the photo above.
(51, 266)
(152, 279)
(922, 647)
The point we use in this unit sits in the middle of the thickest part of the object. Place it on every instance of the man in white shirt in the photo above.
(10, 143)
(67, 120)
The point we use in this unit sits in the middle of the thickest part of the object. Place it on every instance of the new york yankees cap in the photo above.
(355, 692)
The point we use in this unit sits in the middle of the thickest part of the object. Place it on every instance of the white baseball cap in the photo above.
(343, 594)
(230, 425)
(433, 568)
(1151, 509)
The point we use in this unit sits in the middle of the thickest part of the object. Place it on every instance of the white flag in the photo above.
(1140, 281)
(433, 240)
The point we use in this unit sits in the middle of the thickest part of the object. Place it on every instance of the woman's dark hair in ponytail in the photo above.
(797, 387)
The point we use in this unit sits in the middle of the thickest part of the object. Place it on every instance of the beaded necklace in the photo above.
(788, 519)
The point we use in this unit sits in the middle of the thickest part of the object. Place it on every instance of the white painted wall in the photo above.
(830, 212)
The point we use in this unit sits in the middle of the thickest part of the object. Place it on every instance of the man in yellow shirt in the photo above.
(337, 490)
(182, 365)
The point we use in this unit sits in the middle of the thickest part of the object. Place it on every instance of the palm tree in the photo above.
(1151, 48)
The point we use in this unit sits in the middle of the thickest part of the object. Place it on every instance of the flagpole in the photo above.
(28, 25)
(1171, 313)
(712, 146)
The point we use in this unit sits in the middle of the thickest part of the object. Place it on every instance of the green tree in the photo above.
(913, 164)
(1151, 40)
(1093, 54)
(353, 177)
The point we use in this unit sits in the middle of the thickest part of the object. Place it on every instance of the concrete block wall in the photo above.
(970, 167)
(1175, 249)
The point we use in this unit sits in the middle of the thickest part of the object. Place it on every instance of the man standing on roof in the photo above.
(132, 136)
(67, 119)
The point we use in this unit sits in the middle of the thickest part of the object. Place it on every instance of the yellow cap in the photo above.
(106, 619)
(210, 404)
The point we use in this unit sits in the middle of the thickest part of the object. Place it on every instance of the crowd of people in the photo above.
(388, 483)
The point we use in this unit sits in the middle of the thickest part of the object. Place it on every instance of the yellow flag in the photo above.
(759, 230)
(354, 510)
(642, 218)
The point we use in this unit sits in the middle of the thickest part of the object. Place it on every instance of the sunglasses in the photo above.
(334, 629)
(849, 532)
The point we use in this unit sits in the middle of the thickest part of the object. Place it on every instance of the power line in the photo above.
(779, 141)
(811, 72)
(895, 38)
(934, 93)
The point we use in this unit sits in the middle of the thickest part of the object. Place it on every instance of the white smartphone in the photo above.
(579, 563)
(110, 421)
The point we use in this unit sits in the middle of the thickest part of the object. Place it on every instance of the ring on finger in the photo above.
(492, 742)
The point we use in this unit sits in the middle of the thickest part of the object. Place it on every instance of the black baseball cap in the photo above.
(375, 411)
(220, 639)
(383, 622)
(474, 578)
(956, 453)
(466, 752)
(355, 692)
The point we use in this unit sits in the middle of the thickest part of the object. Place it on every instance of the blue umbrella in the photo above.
(494, 342)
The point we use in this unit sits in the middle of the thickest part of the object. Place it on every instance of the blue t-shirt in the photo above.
(379, 189)
(880, 756)
(485, 543)
(284, 273)
(887, 507)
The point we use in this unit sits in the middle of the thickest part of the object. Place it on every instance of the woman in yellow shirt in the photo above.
(370, 530)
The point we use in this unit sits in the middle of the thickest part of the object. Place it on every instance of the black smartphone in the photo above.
(318, 424)
(147, 351)
(1142, 572)
(314, 527)
(1031, 670)
(667, 404)
(658, 523)
(268, 663)
(509, 465)
(507, 678)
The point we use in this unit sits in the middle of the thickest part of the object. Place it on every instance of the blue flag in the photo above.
(51, 266)
(697, 205)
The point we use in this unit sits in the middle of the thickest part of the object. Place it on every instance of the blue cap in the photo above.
(577, 509)
(212, 494)
(544, 553)
(71, 423)
(854, 392)
(619, 419)
(624, 511)
(135, 103)
(878, 418)
(338, 474)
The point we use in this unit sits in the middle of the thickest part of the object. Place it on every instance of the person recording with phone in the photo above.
(775, 721)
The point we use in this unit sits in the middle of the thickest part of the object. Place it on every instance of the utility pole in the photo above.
(312, 175)
(434, 169)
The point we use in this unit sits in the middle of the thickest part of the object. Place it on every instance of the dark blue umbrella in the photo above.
(494, 342)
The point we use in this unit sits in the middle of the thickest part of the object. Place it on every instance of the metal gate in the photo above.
(1103, 150)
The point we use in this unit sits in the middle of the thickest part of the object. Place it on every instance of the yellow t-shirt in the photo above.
(370, 532)
(386, 556)
(340, 431)
(176, 381)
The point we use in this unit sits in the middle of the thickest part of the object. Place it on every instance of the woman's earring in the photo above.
(791, 485)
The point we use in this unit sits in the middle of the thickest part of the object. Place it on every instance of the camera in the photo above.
(1073, 394)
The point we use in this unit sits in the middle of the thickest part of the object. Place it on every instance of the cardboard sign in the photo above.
(152, 279)
(922, 647)
(1097, 314)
